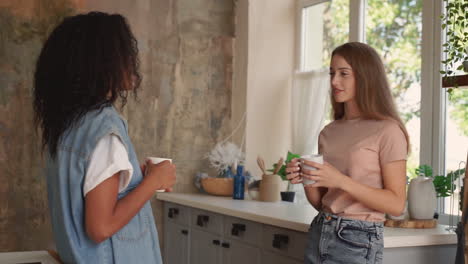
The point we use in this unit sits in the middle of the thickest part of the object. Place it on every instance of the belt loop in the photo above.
(338, 222)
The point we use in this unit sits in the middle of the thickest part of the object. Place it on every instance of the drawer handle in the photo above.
(225, 245)
(173, 212)
(216, 242)
(202, 220)
(184, 232)
(279, 240)
(236, 228)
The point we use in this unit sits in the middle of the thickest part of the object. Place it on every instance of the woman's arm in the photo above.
(105, 215)
(391, 199)
(314, 195)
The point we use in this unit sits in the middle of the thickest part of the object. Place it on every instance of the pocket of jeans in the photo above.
(355, 236)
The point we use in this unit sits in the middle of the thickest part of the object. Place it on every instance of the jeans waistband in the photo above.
(328, 217)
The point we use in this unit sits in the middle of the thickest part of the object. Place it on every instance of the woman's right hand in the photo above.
(293, 171)
(161, 176)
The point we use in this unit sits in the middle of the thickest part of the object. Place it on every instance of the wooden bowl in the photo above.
(218, 186)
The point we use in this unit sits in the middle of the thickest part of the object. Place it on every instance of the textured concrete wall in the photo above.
(184, 107)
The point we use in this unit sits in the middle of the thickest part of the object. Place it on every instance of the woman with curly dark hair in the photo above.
(98, 195)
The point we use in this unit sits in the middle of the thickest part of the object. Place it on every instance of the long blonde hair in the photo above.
(373, 95)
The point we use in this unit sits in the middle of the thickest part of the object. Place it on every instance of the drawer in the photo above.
(207, 221)
(268, 257)
(175, 213)
(242, 230)
(283, 241)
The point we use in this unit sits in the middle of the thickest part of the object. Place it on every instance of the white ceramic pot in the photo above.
(422, 198)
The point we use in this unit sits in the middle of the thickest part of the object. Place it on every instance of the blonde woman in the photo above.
(364, 173)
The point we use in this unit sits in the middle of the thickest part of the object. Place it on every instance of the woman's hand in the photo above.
(143, 171)
(293, 171)
(325, 176)
(161, 176)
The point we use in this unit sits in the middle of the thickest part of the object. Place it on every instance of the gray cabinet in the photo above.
(177, 234)
(195, 236)
(236, 252)
(272, 258)
(284, 242)
(176, 244)
(205, 248)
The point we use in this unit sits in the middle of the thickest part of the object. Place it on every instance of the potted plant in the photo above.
(289, 194)
(455, 46)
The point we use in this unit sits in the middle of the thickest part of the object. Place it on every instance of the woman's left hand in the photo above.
(325, 176)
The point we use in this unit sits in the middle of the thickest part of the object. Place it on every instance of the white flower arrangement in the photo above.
(224, 155)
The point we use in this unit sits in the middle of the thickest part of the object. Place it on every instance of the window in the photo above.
(324, 26)
(456, 142)
(394, 29)
(407, 34)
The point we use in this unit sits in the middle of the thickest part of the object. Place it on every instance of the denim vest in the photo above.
(136, 242)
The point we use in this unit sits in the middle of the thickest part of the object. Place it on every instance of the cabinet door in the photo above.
(176, 239)
(205, 248)
(284, 241)
(234, 252)
(272, 258)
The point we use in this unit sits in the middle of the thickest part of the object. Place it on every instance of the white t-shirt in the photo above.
(109, 157)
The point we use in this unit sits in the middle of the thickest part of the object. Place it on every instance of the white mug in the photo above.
(315, 158)
(156, 160)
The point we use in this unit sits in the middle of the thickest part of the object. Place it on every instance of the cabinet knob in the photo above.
(173, 212)
(202, 220)
(279, 240)
(225, 245)
(236, 228)
(216, 242)
(184, 232)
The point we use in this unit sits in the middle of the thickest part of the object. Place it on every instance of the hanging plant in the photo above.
(455, 47)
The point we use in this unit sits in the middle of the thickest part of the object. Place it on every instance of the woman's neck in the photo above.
(351, 111)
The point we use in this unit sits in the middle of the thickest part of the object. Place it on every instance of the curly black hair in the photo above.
(88, 62)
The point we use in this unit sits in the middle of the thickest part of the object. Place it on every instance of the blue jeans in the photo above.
(332, 239)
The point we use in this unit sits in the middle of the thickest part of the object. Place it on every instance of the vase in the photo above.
(422, 200)
(270, 187)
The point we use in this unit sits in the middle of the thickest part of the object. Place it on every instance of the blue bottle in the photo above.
(239, 184)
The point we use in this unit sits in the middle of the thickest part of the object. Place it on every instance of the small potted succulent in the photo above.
(289, 194)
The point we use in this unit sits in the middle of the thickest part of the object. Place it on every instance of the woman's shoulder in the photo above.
(389, 125)
(105, 116)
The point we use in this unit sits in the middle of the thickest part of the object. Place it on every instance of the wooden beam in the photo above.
(451, 81)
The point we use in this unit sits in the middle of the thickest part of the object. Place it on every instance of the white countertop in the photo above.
(42, 257)
(298, 217)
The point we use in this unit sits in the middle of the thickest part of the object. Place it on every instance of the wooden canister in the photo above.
(270, 188)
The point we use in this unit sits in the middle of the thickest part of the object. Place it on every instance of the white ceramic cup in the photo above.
(156, 160)
(315, 158)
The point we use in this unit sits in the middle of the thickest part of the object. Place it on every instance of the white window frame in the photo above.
(357, 27)
(432, 133)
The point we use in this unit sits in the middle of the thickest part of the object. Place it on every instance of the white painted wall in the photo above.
(271, 25)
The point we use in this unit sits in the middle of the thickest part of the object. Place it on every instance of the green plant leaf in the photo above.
(291, 156)
(425, 170)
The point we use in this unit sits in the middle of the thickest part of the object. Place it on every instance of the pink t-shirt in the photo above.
(358, 148)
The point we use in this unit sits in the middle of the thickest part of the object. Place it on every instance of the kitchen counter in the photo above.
(298, 217)
(32, 257)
